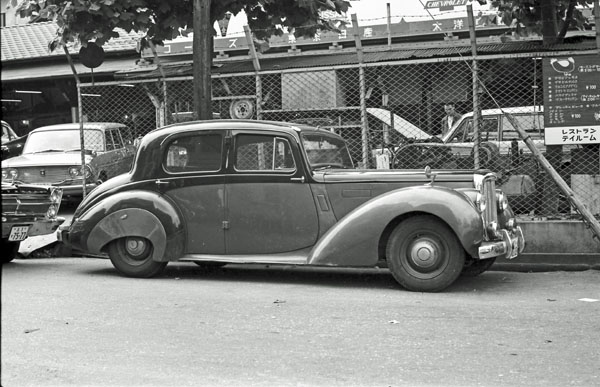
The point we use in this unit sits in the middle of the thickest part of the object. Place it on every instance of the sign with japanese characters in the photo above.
(572, 99)
(237, 42)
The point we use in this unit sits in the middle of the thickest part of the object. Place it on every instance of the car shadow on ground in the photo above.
(372, 278)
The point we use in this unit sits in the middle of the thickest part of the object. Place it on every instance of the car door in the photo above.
(270, 207)
(194, 181)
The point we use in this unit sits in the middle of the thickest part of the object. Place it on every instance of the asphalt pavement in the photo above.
(76, 322)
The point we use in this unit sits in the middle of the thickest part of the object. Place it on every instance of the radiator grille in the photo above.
(43, 175)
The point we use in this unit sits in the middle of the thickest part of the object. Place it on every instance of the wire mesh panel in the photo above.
(405, 115)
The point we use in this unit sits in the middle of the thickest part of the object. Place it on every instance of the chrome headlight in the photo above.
(56, 196)
(75, 172)
(481, 202)
(52, 211)
(11, 173)
(502, 201)
(477, 181)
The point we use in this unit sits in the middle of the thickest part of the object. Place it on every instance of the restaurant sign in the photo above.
(572, 100)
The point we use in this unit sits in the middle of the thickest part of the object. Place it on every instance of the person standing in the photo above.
(450, 118)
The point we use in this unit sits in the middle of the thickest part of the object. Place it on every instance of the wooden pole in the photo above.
(202, 57)
(389, 26)
(476, 107)
(256, 65)
(80, 114)
(363, 93)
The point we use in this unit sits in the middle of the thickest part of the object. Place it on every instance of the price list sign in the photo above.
(572, 100)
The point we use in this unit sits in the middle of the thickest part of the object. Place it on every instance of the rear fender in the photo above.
(132, 213)
(354, 240)
(129, 222)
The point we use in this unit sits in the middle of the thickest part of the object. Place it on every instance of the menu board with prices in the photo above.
(572, 99)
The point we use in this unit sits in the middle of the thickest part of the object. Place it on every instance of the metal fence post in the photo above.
(363, 92)
(476, 107)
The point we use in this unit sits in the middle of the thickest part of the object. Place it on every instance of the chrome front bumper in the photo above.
(511, 245)
(36, 227)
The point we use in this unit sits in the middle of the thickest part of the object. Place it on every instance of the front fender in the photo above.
(354, 240)
(131, 213)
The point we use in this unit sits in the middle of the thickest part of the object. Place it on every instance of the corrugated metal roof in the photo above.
(350, 58)
(29, 41)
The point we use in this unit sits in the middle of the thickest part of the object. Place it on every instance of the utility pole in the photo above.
(202, 57)
(476, 107)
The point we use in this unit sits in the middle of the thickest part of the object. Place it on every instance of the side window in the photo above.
(489, 129)
(263, 153)
(194, 153)
(117, 140)
(463, 131)
(110, 143)
(531, 123)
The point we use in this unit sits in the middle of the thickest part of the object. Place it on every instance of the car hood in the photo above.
(401, 125)
(393, 175)
(46, 159)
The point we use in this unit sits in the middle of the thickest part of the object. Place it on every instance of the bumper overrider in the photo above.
(511, 245)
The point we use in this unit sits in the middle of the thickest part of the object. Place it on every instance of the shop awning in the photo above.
(58, 69)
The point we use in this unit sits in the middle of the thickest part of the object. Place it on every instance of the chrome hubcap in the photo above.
(135, 246)
(424, 253)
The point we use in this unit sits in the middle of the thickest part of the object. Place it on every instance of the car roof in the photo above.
(225, 124)
(76, 126)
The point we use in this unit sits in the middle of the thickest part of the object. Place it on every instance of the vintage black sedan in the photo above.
(235, 191)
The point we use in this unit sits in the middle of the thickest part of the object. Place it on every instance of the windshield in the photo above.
(63, 140)
(325, 151)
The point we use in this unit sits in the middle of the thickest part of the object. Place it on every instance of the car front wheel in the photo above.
(424, 254)
(132, 257)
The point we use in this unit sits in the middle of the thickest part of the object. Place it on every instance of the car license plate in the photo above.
(18, 233)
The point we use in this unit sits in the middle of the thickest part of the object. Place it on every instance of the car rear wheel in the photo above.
(424, 254)
(132, 257)
(476, 267)
(11, 250)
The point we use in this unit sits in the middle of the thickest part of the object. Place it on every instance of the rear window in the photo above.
(194, 153)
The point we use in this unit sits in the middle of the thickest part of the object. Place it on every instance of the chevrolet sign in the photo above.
(445, 4)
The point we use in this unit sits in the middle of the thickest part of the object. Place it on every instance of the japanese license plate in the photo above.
(18, 233)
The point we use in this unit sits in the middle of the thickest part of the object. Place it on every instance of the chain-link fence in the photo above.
(404, 114)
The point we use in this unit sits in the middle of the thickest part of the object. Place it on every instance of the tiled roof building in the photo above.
(30, 41)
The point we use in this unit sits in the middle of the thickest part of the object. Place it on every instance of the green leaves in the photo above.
(96, 20)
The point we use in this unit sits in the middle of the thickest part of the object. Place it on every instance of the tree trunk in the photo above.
(549, 22)
(567, 22)
(203, 50)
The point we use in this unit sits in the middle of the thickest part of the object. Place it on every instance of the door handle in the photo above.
(298, 179)
(160, 183)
